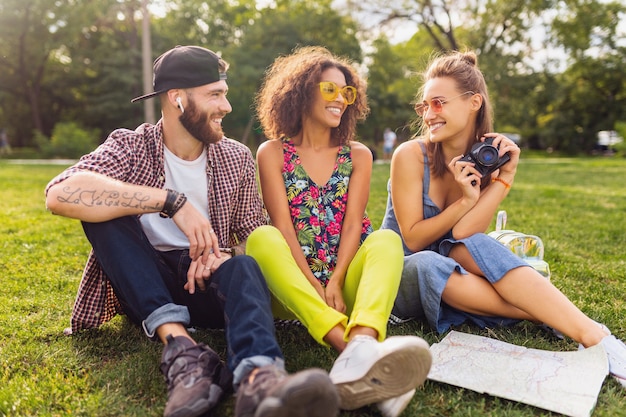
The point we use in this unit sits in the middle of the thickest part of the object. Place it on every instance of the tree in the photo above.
(588, 27)
(393, 84)
(109, 58)
(54, 55)
(215, 24)
(591, 97)
(592, 91)
(498, 31)
(80, 60)
(527, 90)
(30, 32)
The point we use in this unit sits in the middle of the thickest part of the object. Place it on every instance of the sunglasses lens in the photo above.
(349, 94)
(329, 90)
(437, 105)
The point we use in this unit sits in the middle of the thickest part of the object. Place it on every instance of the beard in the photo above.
(197, 124)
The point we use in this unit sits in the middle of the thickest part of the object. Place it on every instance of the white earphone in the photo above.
(180, 104)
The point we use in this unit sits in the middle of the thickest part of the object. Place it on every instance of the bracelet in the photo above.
(506, 184)
(170, 199)
(173, 202)
(180, 202)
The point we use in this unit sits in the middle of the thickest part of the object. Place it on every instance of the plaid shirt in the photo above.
(136, 157)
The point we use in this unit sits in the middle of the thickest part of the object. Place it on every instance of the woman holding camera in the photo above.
(441, 203)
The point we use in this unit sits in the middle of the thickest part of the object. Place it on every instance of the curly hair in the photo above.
(463, 69)
(289, 86)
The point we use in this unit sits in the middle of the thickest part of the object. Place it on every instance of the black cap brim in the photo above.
(146, 96)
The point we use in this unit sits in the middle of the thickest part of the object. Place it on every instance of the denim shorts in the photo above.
(426, 273)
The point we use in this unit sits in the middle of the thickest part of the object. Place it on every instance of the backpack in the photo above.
(528, 247)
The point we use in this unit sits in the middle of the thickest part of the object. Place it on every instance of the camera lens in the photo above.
(487, 155)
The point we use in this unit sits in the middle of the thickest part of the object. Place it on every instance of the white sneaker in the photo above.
(600, 325)
(368, 372)
(393, 407)
(603, 327)
(616, 353)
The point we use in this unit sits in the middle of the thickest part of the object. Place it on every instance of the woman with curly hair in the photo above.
(323, 263)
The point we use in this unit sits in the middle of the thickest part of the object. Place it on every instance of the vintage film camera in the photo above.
(485, 157)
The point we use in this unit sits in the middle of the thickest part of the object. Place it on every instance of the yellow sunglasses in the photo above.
(330, 91)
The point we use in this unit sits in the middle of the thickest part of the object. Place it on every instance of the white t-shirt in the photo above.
(188, 177)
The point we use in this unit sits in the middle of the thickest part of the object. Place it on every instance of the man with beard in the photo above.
(167, 209)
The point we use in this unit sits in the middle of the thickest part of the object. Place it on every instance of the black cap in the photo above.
(184, 67)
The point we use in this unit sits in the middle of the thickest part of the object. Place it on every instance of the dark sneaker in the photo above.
(196, 377)
(270, 392)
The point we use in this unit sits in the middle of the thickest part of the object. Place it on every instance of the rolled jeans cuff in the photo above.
(168, 313)
(247, 365)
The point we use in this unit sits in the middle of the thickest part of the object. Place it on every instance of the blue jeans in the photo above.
(149, 285)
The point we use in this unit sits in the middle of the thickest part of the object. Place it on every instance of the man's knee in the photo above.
(242, 269)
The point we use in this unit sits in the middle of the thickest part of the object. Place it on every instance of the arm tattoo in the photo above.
(105, 198)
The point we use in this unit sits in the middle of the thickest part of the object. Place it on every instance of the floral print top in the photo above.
(317, 211)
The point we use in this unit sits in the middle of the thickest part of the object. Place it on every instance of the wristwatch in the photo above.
(231, 251)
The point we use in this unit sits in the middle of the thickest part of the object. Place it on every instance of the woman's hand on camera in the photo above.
(506, 145)
(468, 178)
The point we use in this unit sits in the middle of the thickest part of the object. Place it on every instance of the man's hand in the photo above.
(202, 238)
(198, 272)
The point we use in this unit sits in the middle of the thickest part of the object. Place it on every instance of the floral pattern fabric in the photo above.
(317, 210)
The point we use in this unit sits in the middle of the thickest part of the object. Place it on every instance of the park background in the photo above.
(68, 69)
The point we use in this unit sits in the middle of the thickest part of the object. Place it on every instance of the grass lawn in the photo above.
(577, 206)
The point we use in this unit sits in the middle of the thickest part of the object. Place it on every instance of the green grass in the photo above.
(577, 206)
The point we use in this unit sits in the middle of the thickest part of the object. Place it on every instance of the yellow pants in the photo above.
(369, 291)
